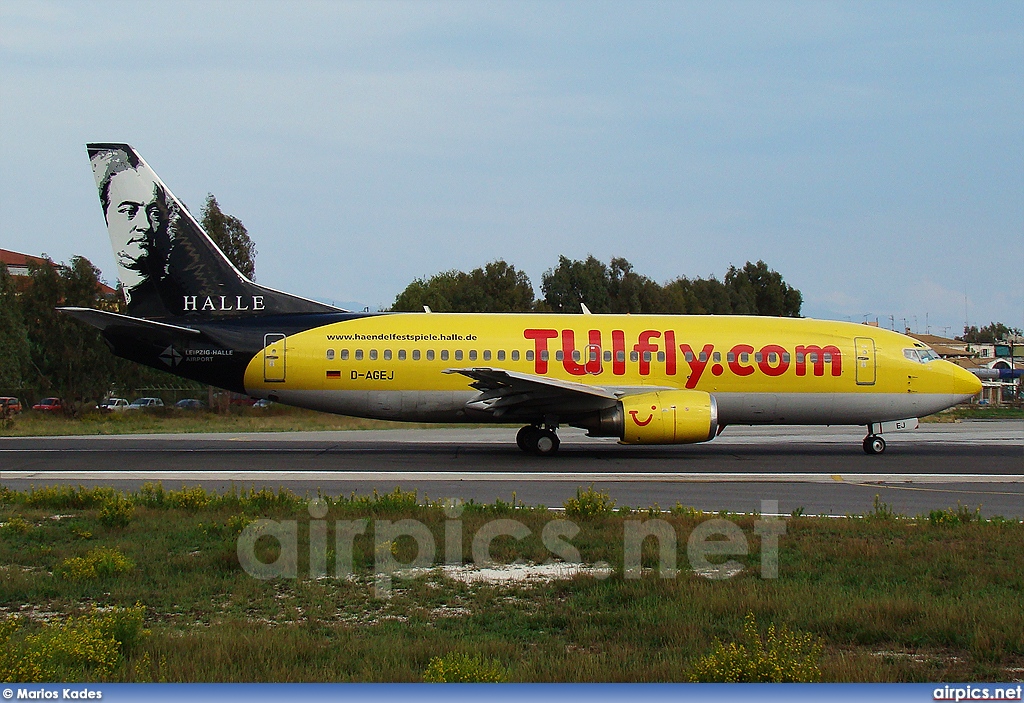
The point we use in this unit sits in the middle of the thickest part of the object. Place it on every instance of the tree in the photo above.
(572, 282)
(14, 347)
(497, 287)
(989, 334)
(67, 358)
(756, 289)
(230, 235)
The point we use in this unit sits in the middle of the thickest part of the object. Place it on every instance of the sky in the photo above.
(872, 153)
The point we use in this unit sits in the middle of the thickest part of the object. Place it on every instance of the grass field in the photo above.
(886, 598)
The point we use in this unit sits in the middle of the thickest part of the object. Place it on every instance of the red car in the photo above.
(9, 405)
(49, 405)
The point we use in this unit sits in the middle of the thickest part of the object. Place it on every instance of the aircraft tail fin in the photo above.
(167, 265)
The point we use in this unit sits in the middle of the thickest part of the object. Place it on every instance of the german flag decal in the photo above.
(334, 374)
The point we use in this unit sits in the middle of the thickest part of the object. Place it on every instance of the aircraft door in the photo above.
(273, 358)
(865, 360)
(593, 360)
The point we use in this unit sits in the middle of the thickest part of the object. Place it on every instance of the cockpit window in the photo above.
(920, 355)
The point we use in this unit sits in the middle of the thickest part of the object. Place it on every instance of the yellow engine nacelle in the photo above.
(668, 417)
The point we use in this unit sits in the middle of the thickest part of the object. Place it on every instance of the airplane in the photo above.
(643, 379)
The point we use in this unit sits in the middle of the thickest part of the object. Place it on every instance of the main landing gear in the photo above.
(537, 440)
(873, 444)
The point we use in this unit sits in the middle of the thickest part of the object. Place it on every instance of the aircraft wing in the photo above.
(515, 395)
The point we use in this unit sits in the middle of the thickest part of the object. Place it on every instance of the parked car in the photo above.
(49, 405)
(9, 405)
(145, 403)
(263, 403)
(190, 404)
(114, 405)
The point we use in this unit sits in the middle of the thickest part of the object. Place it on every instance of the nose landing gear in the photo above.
(873, 444)
(536, 440)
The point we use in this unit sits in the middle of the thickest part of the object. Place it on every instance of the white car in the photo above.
(114, 405)
(143, 403)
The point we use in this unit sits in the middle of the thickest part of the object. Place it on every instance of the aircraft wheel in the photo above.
(874, 444)
(546, 443)
(526, 438)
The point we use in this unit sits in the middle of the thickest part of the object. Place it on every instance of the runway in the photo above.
(819, 470)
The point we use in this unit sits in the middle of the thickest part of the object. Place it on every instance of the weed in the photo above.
(589, 503)
(15, 525)
(780, 657)
(686, 511)
(797, 512)
(950, 517)
(881, 511)
(97, 563)
(116, 511)
(456, 667)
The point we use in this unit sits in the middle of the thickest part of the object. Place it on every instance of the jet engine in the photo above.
(660, 417)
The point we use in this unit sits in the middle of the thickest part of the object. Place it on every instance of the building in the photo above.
(18, 265)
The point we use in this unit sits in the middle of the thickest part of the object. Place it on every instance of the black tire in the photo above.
(546, 443)
(874, 445)
(526, 438)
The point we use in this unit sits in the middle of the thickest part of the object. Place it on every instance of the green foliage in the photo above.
(456, 667)
(65, 497)
(230, 235)
(497, 287)
(780, 656)
(881, 511)
(88, 647)
(990, 333)
(589, 503)
(97, 563)
(14, 345)
(16, 525)
(949, 517)
(116, 511)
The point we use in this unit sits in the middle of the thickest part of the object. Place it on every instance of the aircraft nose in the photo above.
(965, 384)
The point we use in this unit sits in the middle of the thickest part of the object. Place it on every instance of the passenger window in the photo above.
(576, 355)
(529, 355)
(703, 356)
(758, 357)
(544, 355)
(430, 355)
(633, 356)
(487, 355)
(744, 357)
(501, 355)
(827, 357)
(800, 357)
(344, 354)
(415, 354)
(661, 356)
(785, 357)
(359, 354)
(401, 355)
(717, 356)
(444, 355)
(688, 356)
(558, 355)
(458, 355)
(472, 355)
(515, 355)
(593, 355)
(772, 357)
(607, 356)
(620, 355)
(373, 355)
(387, 355)
(730, 357)
(330, 353)
(647, 356)
(813, 357)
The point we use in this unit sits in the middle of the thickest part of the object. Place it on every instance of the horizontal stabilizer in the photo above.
(103, 320)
